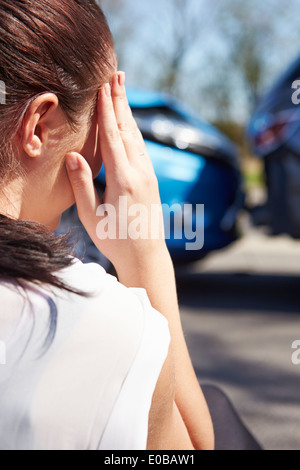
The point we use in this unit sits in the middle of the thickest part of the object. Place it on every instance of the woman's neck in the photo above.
(11, 198)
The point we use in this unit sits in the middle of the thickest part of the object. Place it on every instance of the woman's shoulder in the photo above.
(108, 347)
(110, 356)
(100, 289)
(104, 305)
(103, 295)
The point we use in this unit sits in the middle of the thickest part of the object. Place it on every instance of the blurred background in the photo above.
(219, 56)
(210, 84)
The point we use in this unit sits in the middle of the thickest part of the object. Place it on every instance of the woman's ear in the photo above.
(39, 120)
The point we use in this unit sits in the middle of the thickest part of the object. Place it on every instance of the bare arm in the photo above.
(144, 263)
(159, 280)
(167, 430)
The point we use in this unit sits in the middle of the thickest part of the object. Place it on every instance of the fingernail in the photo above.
(122, 78)
(72, 162)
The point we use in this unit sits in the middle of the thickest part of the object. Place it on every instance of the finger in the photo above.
(112, 148)
(130, 134)
(124, 116)
(87, 200)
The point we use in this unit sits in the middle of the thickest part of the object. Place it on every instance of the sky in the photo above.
(146, 34)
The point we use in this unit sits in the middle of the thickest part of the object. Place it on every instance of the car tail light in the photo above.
(270, 131)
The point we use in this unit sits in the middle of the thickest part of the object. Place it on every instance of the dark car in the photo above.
(274, 134)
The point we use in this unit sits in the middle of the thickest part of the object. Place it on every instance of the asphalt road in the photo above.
(241, 314)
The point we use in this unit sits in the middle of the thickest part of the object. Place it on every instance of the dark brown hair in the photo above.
(59, 46)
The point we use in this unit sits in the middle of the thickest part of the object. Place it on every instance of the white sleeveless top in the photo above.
(91, 386)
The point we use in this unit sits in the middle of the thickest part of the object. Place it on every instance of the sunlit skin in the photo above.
(43, 192)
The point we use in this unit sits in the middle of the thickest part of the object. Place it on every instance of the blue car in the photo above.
(194, 164)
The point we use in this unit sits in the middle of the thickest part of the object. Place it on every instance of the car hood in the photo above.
(190, 133)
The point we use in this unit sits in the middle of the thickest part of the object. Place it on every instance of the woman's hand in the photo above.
(129, 176)
(143, 263)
